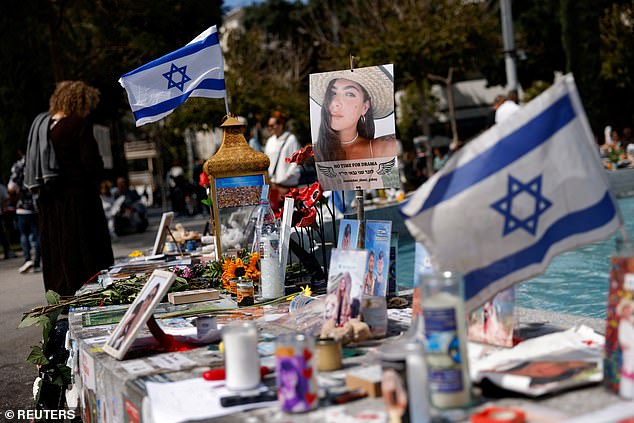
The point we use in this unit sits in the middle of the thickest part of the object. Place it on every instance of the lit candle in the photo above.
(242, 362)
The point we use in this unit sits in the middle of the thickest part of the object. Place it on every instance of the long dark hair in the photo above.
(328, 145)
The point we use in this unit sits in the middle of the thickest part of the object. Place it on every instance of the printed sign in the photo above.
(353, 130)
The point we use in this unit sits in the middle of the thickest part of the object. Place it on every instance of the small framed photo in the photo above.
(348, 234)
(161, 234)
(235, 198)
(138, 314)
(377, 241)
(345, 283)
(493, 322)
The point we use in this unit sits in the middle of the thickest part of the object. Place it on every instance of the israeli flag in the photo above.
(524, 191)
(157, 88)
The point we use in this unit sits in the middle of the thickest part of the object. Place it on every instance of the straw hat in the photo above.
(375, 79)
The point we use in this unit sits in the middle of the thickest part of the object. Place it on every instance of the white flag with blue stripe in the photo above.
(524, 191)
(157, 88)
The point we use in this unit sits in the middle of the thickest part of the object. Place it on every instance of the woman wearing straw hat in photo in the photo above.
(350, 102)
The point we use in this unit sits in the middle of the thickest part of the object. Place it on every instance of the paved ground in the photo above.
(22, 292)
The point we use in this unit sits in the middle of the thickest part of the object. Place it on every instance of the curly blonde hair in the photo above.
(74, 98)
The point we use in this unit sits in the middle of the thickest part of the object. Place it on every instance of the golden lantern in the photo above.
(236, 174)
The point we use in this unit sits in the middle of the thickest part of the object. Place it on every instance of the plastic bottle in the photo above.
(267, 240)
(256, 218)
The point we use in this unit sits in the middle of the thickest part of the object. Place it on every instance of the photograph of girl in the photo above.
(123, 336)
(352, 119)
(345, 285)
(292, 384)
(348, 234)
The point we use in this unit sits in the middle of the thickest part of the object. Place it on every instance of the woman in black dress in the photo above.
(75, 241)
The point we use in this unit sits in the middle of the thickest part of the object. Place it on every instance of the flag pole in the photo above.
(226, 102)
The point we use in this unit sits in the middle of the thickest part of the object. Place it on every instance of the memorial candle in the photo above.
(242, 362)
(270, 272)
(445, 340)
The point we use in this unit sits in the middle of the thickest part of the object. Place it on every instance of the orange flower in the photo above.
(235, 267)
(226, 284)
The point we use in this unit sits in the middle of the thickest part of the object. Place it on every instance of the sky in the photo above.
(232, 4)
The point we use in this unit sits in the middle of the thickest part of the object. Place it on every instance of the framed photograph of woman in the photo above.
(353, 129)
(138, 314)
(345, 280)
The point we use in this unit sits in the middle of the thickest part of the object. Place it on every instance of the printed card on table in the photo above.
(493, 322)
(345, 284)
(619, 334)
(353, 128)
(377, 242)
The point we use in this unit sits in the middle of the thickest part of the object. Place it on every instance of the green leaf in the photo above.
(63, 375)
(29, 320)
(53, 315)
(36, 356)
(207, 201)
(46, 333)
(52, 297)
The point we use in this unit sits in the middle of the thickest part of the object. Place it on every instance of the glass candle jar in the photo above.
(297, 389)
(242, 361)
(445, 340)
(329, 354)
(245, 293)
(233, 286)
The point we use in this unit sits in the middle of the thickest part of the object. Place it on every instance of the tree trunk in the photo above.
(424, 117)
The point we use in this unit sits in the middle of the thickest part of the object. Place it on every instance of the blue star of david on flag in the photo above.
(170, 77)
(579, 208)
(505, 205)
(195, 70)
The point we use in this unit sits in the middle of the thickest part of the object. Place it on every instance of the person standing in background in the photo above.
(280, 146)
(506, 109)
(627, 139)
(497, 102)
(64, 166)
(255, 141)
(4, 198)
(26, 216)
